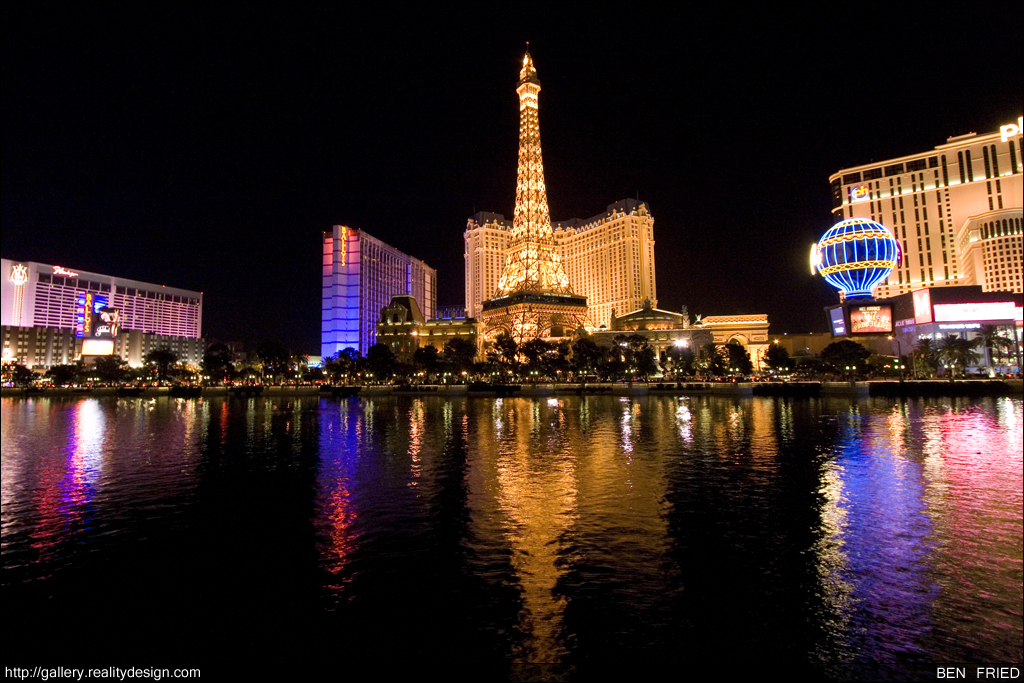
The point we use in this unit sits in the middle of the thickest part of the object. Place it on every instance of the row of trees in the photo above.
(106, 370)
(949, 356)
(630, 357)
(270, 362)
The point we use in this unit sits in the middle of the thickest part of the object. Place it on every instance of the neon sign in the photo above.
(60, 270)
(89, 306)
(19, 274)
(855, 255)
(860, 193)
(992, 310)
(922, 306)
(1011, 129)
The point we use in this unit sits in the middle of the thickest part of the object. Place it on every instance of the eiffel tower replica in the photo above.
(534, 299)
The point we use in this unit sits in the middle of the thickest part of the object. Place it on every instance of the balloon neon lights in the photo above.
(855, 255)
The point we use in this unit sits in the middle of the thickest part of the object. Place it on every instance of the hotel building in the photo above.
(609, 258)
(955, 211)
(361, 274)
(43, 315)
(403, 329)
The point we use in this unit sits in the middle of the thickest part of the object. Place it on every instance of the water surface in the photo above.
(849, 539)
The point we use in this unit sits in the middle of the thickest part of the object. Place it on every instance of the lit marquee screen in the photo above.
(97, 347)
(870, 319)
(838, 320)
(990, 310)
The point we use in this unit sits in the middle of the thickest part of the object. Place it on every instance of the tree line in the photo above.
(950, 356)
(271, 362)
(629, 357)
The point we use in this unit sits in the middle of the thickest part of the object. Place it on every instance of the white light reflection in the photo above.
(86, 461)
(417, 424)
(831, 561)
(684, 420)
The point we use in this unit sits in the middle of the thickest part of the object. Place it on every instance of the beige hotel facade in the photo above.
(609, 258)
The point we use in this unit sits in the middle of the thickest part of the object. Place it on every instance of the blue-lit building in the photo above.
(360, 276)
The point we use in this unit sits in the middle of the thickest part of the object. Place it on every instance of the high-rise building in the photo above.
(533, 297)
(46, 312)
(955, 211)
(609, 258)
(360, 276)
(487, 238)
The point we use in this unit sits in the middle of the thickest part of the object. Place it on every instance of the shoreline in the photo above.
(908, 389)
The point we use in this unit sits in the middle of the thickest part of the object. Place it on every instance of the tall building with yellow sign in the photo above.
(955, 211)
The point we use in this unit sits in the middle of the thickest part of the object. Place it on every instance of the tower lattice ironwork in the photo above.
(534, 298)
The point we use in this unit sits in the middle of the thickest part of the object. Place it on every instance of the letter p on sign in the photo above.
(1011, 129)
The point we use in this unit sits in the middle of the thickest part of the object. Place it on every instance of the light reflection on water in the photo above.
(568, 530)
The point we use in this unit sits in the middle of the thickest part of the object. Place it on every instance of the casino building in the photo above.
(48, 314)
(895, 326)
(955, 211)
(361, 274)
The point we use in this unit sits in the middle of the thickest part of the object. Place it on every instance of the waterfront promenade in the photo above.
(970, 387)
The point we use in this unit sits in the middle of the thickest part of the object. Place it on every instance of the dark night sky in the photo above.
(208, 147)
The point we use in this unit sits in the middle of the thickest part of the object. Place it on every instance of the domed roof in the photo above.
(647, 317)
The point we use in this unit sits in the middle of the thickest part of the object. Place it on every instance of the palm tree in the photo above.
(508, 348)
(991, 340)
(926, 357)
(956, 350)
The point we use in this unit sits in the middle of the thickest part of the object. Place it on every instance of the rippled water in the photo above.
(849, 539)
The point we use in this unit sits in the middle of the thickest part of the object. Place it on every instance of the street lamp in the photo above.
(899, 355)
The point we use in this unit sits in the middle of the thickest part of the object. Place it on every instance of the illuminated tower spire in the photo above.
(534, 298)
(531, 262)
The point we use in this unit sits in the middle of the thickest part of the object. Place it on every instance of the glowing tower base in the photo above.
(528, 315)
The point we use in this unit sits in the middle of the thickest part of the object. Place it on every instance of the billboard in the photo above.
(989, 310)
(97, 347)
(870, 319)
(106, 322)
(96, 324)
(837, 317)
